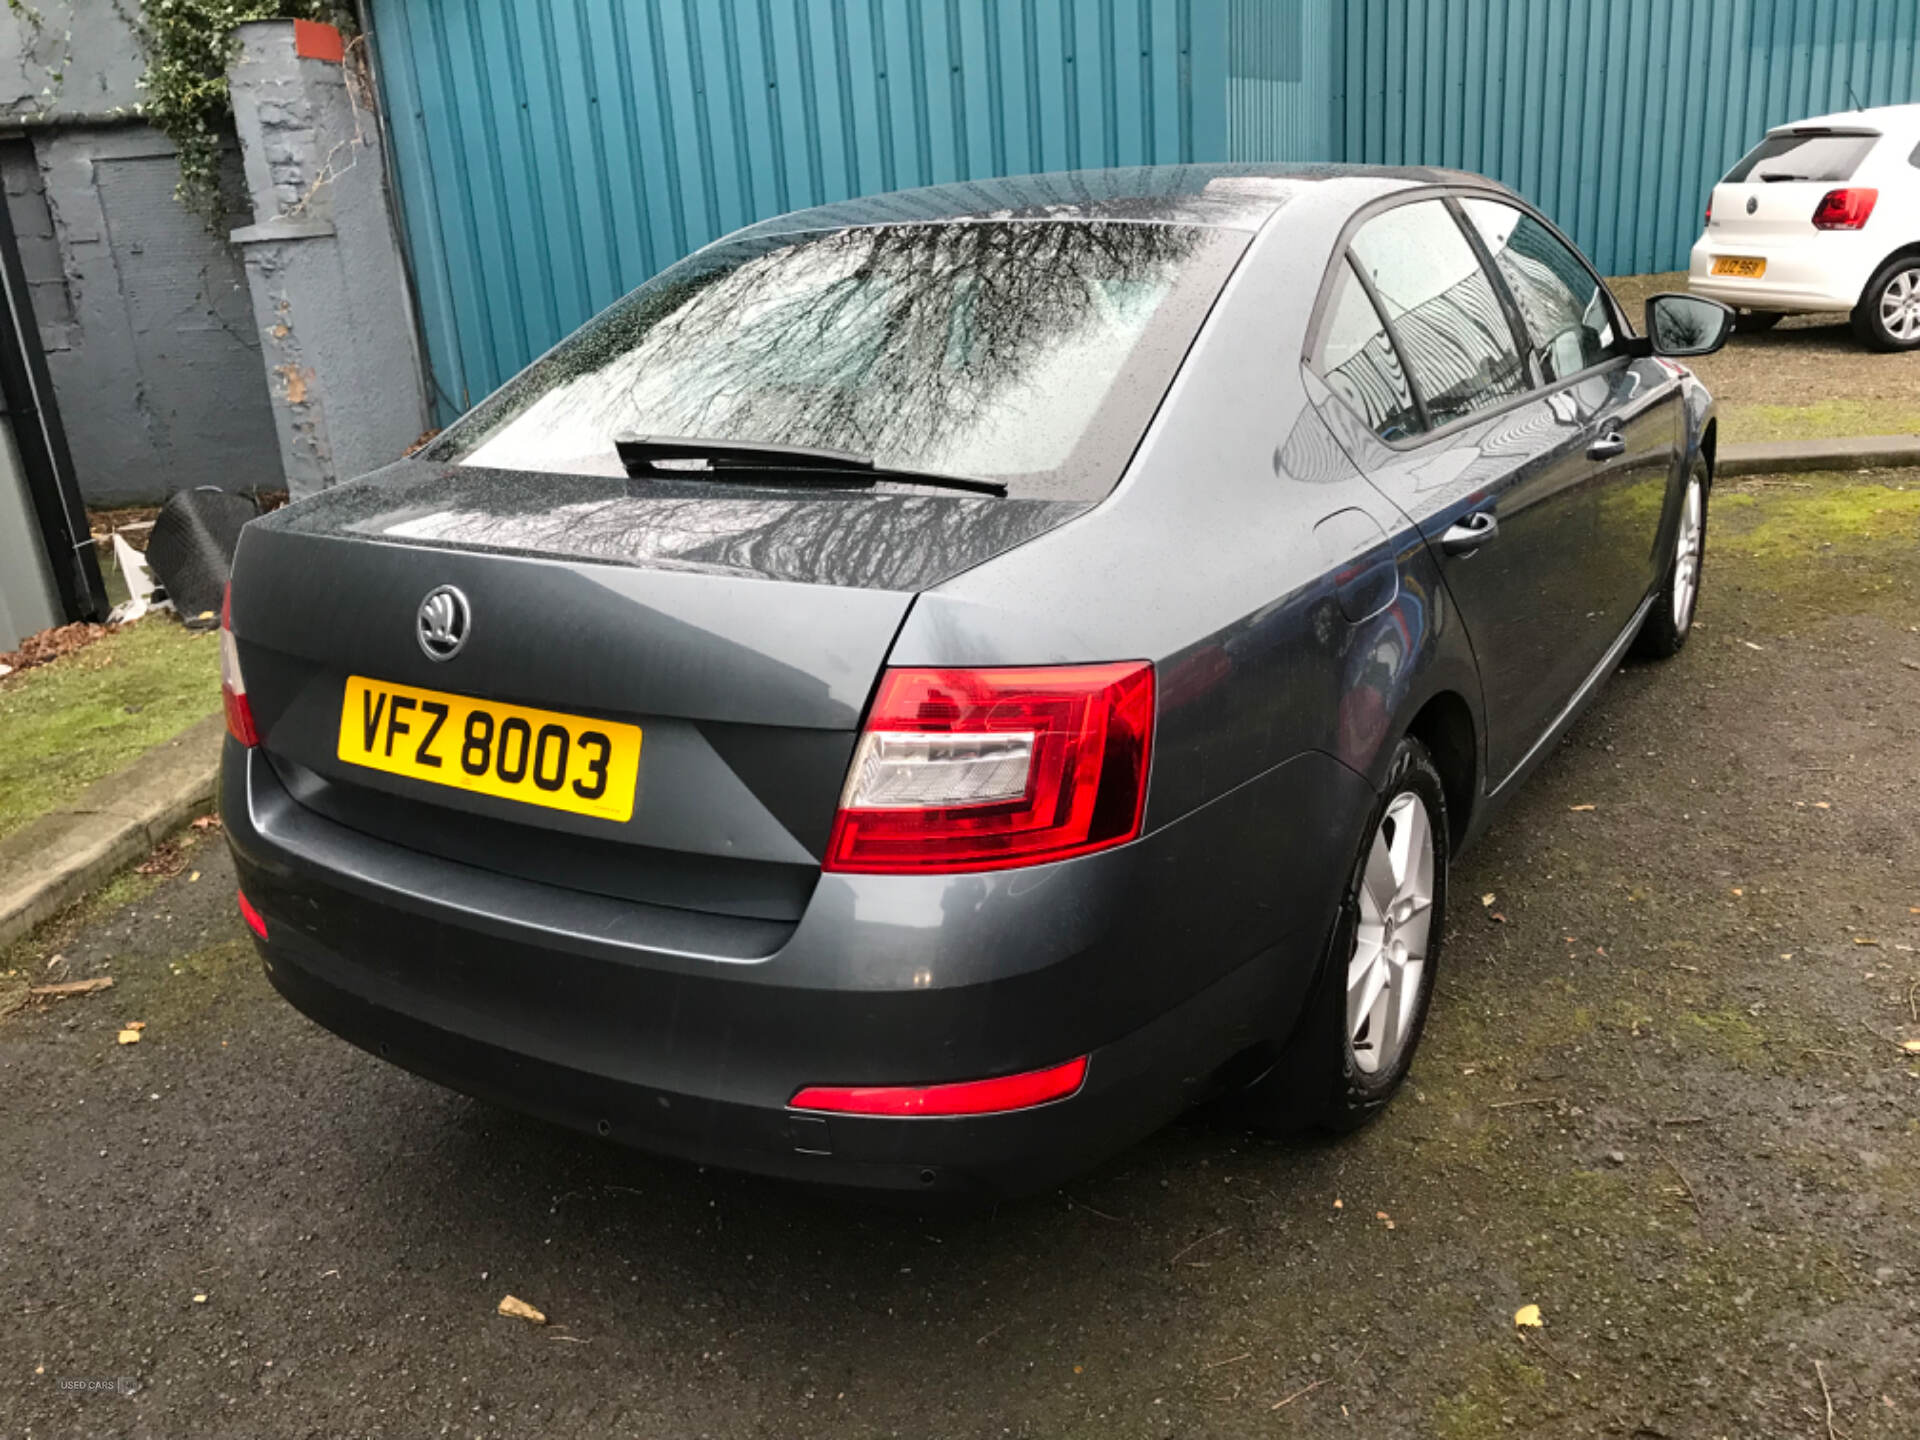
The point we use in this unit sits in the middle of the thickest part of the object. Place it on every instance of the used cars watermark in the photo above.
(116, 1385)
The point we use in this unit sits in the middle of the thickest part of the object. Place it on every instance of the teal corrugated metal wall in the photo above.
(552, 154)
(1613, 116)
(1283, 79)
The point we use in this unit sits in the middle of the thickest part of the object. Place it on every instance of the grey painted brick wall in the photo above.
(144, 311)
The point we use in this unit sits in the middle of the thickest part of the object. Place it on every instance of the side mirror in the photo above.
(1681, 325)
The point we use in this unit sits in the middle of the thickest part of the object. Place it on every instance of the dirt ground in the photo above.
(1806, 379)
(1663, 1097)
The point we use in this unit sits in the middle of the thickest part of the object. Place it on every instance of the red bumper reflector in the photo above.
(252, 916)
(967, 1097)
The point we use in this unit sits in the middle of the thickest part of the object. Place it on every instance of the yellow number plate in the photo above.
(1750, 266)
(539, 757)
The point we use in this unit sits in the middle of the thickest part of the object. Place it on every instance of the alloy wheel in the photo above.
(1686, 558)
(1900, 306)
(1390, 941)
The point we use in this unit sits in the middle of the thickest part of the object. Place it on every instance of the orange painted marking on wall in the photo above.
(313, 40)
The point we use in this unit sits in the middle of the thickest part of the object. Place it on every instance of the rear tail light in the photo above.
(1844, 209)
(1709, 212)
(255, 921)
(233, 689)
(968, 1097)
(986, 769)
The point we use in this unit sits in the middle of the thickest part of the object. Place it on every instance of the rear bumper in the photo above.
(688, 1034)
(1805, 275)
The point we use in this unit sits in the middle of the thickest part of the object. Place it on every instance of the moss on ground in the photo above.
(1502, 1390)
(1822, 544)
(1744, 421)
(65, 725)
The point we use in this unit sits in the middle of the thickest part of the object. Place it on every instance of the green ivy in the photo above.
(189, 44)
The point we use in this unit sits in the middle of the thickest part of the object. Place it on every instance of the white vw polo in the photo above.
(1821, 215)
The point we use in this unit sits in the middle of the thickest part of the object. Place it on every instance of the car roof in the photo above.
(1887, 119)
(1232, 196)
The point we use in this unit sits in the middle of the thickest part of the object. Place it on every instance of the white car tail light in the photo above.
(1848, 209)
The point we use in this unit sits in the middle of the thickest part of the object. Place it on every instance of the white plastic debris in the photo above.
(142, 588)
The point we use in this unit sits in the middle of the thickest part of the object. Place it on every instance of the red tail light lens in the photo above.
(986, 769)
(1845, 209)
(233, 689)
(968, 1097)
(255, 921)
(1709, 212)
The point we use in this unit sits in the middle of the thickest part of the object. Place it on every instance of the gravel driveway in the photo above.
(1664, 1098)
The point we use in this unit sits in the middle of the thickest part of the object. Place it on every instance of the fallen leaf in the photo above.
(207, 822)
(200, 1299)
(1499, 917)
(1579, 807)
(1339, 1204)
(1912, 1047)
(71, 987)
(1822, 805)
(1749, 644)
(1863, 940)
(136, 1024)
(193, 877)
(1487, 899)
(1528, 1317)
(520, 1310)
(129, 1036)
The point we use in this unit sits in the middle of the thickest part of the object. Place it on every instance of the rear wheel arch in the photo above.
(1445, 726)
(1903, 252)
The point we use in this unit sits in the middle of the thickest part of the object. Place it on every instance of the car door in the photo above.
(1441, 409)
(1628, 411)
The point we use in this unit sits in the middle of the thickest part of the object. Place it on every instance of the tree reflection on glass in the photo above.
(984, 349)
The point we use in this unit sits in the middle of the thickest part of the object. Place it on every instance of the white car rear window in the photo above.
(1821, 157)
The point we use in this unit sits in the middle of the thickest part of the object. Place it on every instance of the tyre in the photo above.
(1752, 322)
(1888, 315)
(1354, 1040)
(1670, 620)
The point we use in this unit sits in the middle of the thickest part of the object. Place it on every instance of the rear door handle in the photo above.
(1468, 535)
(1607, 446)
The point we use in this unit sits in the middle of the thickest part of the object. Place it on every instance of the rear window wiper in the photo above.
(677, 457)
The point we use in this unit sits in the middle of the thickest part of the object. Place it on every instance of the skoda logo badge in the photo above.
(1753, 203)
(443, 623)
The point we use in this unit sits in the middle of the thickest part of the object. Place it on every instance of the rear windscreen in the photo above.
(1027, 352)
(1824, 158)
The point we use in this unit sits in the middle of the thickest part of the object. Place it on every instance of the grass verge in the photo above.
(67, 724)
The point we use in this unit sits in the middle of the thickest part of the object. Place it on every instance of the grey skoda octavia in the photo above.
(928, 687)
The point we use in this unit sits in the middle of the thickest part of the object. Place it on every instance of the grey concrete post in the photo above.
(323, 261)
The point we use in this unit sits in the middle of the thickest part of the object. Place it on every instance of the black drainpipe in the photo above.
(27, 404)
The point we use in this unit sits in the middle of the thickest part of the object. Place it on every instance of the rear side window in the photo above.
(1565, 309)
(1450, 326)
(1823, 158)
(1359, 363)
